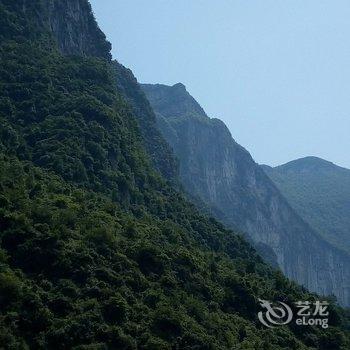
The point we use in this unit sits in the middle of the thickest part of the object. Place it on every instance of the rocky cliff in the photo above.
(224, 175)
(97, 251)
(71, 22)
(75, 30)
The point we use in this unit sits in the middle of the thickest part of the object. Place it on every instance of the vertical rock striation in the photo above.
(76, 32)
(224, 175)
(75, 29)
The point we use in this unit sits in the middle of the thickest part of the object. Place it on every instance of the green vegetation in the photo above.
(76, 269)
(96, 250)
(155, 145)
(320, 192)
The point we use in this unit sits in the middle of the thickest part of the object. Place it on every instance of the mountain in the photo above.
(224, 175)
(97, 250)
(161, 155)
(320, 192)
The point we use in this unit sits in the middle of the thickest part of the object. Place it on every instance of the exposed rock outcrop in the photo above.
(76, 31)
(70, 21)
(224, 175)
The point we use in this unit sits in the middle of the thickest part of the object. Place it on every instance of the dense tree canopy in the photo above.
(96, 250)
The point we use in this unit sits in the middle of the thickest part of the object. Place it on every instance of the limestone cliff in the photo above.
(71, 23)
(76, 32)
(75, 29)
(224, 175)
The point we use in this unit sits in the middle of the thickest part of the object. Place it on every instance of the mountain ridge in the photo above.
(223, 173)
(309, 162)
(319, 191)
(97, 251)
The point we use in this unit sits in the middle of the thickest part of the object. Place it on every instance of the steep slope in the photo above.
(70, 21)
(221, 172)
(320, 192)
(161, 155)
(96, 250)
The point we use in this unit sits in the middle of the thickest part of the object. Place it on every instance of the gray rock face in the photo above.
(224, 175)
(75, 28)
(76, 33)
(72, 24)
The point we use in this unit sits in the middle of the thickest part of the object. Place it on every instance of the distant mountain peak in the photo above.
(319, 191)
(308, 163)
(173, 101)
(179, 86)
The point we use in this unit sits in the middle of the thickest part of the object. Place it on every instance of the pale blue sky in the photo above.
(277, 72)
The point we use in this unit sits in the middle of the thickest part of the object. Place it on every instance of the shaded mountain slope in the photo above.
(96, 250)
(161, 155)
(224, 175)
(320, 192)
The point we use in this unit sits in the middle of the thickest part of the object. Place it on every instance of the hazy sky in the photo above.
(277, 72)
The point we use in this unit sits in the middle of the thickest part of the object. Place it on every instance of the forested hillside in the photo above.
(161, 154)
(97, 251)
(320, 192)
